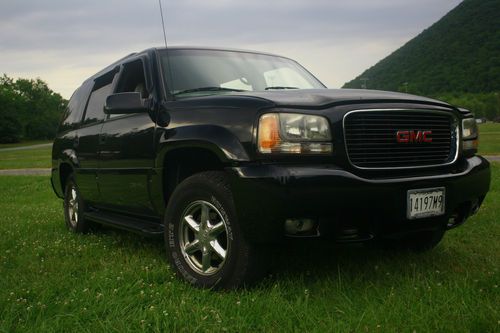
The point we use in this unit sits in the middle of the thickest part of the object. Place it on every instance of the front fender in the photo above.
(217, 139)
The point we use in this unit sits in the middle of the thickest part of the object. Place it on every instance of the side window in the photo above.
(73, 114)
(101, 90)
(132, 79)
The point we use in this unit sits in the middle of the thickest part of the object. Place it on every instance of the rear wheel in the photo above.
(205, 244)
(74, 207)
(418, 242)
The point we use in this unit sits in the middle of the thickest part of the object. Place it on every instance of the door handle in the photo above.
(102, 139)
(76, 141)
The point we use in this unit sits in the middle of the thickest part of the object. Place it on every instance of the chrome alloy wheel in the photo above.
(203, 237)
(73, 207)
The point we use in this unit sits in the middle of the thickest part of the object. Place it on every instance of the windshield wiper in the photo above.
(280, 88)
(187, 91)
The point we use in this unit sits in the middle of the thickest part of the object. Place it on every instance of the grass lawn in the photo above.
(489, 139)
(28, 158)
(52, 280)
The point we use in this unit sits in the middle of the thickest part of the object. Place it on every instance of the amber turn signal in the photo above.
(269, 136)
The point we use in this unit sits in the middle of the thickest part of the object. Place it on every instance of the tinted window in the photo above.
(74, 112)
(132, 80)
(201, 72)
(95, 107)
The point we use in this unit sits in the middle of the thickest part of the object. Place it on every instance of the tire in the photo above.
(214, 254)
(74, 206)
(417, 242)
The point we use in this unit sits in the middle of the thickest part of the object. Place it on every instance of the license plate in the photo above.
(425, 202)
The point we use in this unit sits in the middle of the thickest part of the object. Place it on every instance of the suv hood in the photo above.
(318, 98)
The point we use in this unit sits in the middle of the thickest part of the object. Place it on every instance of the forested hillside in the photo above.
(458, 54)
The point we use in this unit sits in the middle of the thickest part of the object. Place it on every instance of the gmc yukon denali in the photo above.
(225, 152)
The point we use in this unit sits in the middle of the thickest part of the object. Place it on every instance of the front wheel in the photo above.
(205, 244)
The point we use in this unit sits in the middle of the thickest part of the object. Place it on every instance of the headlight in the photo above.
(470, 134)
(292, 133)
(469, 129)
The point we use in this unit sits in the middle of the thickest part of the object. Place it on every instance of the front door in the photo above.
(126, 151)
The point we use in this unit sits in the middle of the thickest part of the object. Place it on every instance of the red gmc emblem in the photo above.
(413, 136)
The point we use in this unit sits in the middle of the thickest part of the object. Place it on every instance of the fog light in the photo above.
(299, 226)
(456, 219)
(453, 220)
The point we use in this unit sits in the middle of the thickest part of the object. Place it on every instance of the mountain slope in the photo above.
(459, 53)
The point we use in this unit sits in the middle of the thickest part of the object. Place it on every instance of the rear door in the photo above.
(126, 150)
(63, 149)
(87, 140)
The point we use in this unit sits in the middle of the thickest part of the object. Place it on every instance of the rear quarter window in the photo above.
(72, 116)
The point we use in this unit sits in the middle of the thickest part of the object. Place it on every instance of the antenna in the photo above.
(170, 75)
(163, 24)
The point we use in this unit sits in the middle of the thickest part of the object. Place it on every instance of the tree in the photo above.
(29, 109)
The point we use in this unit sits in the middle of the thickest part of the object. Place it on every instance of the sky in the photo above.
(64, 42)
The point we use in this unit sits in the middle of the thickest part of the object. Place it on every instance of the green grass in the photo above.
(24, 143)
(55, 281)
(28, 158)
(489, 139)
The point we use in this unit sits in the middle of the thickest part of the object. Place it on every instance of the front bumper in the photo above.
(267, 195)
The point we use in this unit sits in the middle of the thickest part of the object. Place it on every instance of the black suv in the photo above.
(224, 152)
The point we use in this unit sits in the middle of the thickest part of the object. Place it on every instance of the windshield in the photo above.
(203, 72)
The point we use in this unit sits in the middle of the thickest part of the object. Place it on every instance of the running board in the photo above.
(143, 227)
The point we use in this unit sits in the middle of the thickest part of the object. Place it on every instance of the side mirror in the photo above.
(125, 103)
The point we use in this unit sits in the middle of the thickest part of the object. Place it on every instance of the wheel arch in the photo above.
(65, 170)
(185, 150)
(66, 165)
(182, 161)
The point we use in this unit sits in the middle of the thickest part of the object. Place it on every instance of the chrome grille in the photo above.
(370, 137)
